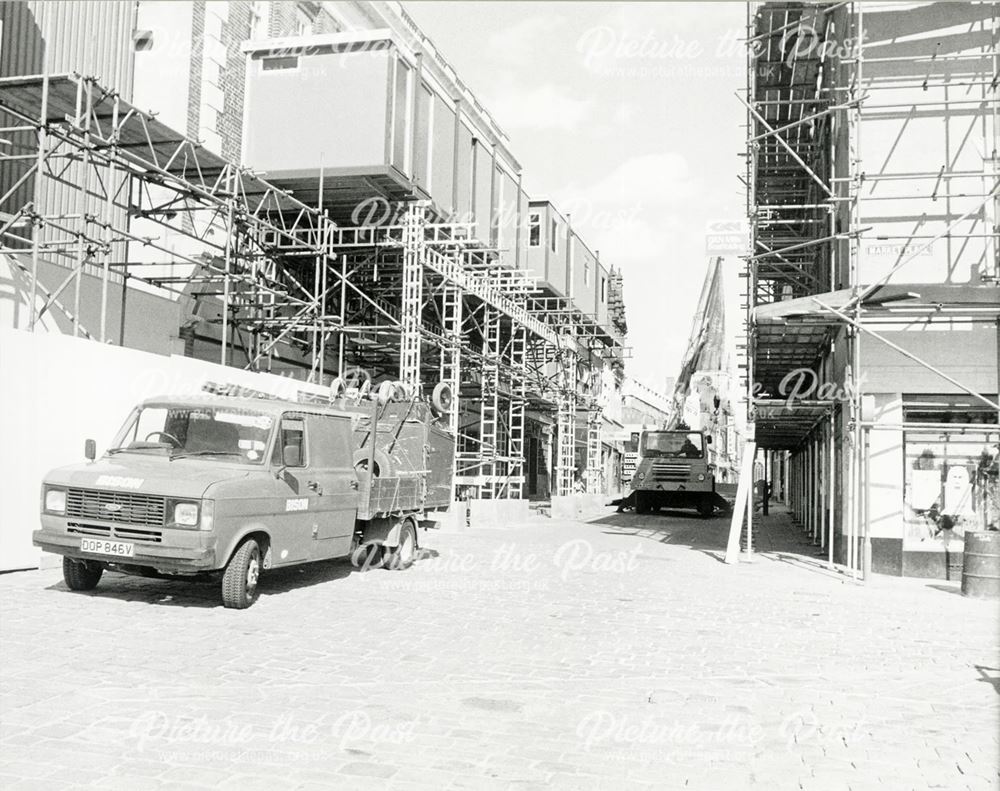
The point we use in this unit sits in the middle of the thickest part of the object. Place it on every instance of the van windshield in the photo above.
(673, 444)
(175, 430)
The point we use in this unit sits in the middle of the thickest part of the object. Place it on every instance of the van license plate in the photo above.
(100, 546)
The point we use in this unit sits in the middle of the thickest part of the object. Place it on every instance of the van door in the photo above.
(291, 514)
(332, 484)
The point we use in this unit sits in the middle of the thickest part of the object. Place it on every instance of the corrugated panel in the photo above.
(93, 39)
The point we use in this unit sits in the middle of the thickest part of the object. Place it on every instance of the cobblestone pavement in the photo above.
(618, 653)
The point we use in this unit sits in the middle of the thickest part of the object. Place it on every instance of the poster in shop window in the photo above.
(951, 487)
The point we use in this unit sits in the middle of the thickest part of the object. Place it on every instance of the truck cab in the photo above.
(219, 486)
(673, 471)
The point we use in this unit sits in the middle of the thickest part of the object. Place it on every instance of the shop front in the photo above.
(932, 478)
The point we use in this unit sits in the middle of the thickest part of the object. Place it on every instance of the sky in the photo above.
(624, 115)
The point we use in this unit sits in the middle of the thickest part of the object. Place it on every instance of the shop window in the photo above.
(950, 474)
(924, 408)
(552, 240)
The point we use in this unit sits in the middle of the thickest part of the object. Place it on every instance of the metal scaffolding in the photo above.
(818, 77)
(278, 285)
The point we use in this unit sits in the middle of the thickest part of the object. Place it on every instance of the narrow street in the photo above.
(614, 653)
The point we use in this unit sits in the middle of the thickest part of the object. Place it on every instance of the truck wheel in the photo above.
(81, 575)
(706, 508)
(239, 582)
(402, 556)
(367, 557)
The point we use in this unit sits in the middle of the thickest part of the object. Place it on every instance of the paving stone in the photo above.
(682, 673)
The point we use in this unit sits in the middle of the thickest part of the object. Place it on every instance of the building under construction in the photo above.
(872, 175)
(307, 189)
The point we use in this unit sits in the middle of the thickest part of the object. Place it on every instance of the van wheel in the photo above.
(81, 575)
(239, 582)
(402, 556)
(706, 508)
(641, 507)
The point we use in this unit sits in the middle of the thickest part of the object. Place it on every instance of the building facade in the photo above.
(307, 189)
(873, 272)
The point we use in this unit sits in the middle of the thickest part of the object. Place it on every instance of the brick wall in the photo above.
(237, 30)
(194, 76)
(217, 76)
(216, 82)
(284, 19)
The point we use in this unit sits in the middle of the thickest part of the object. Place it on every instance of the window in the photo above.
(215, 433)
(925, 408)
(142, 40)
(291, 433)
(278, 64)
(401, 126)
(553, 240)
(604, 290)
(303, 22)
(950, 474)
(949, 485)
(496, 221)
(586, 271)
(534, 229)
(152, 420)
(672, 444)
(259, 19)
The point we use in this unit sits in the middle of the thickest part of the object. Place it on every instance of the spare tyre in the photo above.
(441, 398)
(386, 390)
(337, 388)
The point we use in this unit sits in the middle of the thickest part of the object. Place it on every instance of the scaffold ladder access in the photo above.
(451, 352)
(412, 302)
(490, 386)
(515, 415)
(594, 467)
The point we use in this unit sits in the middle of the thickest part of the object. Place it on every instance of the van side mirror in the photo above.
(90, 449)
(291, 456)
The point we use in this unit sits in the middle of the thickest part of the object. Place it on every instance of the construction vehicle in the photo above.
(673, 472)
(231, 487)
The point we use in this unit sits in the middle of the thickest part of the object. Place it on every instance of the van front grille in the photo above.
(124, 507)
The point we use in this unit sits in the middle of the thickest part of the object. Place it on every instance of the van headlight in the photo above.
(701, 476)
(185, 514)
(55, 500)
(640, 475)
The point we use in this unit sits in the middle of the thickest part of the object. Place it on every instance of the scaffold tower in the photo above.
(279, 285)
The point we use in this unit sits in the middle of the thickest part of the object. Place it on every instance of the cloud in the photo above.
(514, 42)
(546, 107)
(641, 190)
(639, 215)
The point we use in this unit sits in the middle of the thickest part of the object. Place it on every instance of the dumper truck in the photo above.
(232, 487)
(672, 471)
